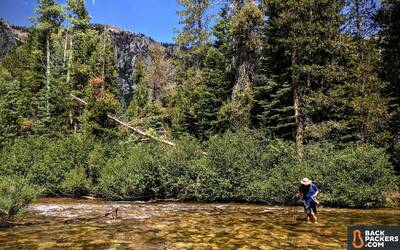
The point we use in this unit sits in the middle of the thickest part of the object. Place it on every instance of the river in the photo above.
(77, 224)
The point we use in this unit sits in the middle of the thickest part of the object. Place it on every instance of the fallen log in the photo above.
(140, 132)
(136, 130)
(3, 212)
(89, 198)
(266, 212)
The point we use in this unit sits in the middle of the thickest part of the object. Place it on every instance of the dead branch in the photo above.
(79, 99)
(3, 212)
(138, 131)
(89, 197)
(113, 212)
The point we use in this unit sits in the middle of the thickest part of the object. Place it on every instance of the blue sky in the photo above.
(155, 18)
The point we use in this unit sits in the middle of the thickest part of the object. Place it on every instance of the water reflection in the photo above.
(64, 223)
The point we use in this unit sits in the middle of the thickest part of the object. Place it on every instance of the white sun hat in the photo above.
(306, 181)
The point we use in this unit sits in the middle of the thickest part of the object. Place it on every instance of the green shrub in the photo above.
(18, 158)
(350, 176)
(15, 193)
(56, 164)
(59, 158)
(179, 168)
(132, 174)
(75, 183)
(240, 166)
(354, 176)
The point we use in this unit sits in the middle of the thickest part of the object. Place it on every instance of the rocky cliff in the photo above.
(10, 37)
(128, 47)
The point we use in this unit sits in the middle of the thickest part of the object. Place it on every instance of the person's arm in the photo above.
(298, 192)
(316, 192)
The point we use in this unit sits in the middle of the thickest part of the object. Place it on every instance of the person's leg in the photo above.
(314, 217)
(307, 213)
(314, 212)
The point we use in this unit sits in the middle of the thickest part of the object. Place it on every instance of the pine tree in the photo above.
(273, 103)
(358, 112)
(194, 36)
(79, 21)
(158, 75)
(49, 20)
(223, 37)
(272, 111)
(137, 106)
(188, 105)
(10, 109)
(301, 41)
(242, 42)
(245, 30)
(232, 114)
(78, 15)
(193, 40)
(389, 40)
(347, 104)
(215, 93)
(22, 65)
(80, 44)
(102, 93)
(357, 102)
(59, 90)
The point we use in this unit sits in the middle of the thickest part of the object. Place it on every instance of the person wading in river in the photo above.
(309, 191)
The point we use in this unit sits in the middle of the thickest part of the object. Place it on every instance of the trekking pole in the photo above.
(294, 211)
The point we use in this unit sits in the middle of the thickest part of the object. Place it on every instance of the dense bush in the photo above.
(242, 162)
(351, 176)
(132, 174)
(239, 166)
(56, 165)
(355, 176)
(15, 193)
(182, 168)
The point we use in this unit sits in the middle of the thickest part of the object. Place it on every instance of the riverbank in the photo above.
(64, 223)
(242, 166)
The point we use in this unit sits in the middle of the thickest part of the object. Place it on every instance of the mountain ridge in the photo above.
(128, 47)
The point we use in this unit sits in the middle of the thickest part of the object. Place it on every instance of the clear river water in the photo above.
(82, 224)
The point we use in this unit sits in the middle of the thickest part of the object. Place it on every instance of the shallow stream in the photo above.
(82, 224)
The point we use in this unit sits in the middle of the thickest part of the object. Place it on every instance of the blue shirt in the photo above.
(308, 193)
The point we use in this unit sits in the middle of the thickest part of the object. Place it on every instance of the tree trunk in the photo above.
(245, 77)
(71, 53)
(103, 72)
(65, 48)
(235, 6)
(297, 107)
(48, 73)
(68, 80)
